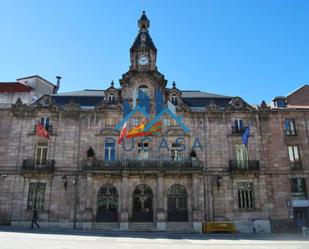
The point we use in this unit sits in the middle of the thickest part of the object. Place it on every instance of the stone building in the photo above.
(194, 168)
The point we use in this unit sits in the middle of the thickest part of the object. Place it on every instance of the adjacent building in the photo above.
(192, 164)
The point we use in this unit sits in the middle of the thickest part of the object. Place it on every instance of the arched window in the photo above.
(144, 89)
(111, 98)
(177, 207)
(174, 99)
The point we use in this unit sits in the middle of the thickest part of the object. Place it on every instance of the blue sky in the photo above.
(255, 49)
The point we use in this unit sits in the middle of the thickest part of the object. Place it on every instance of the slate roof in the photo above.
(83, 101)
(90, 98)
(13, 87)
(200, 94)
(149, 43)
(203, 102)
(86, 92)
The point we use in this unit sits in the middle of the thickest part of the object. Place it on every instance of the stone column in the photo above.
(90, 209)
(197, 212)
(161, 224)
(124, 214)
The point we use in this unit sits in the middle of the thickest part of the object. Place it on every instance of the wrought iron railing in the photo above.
(141, 164)
(31, 165)
(244, 165)
(297, 165)
(238, 130)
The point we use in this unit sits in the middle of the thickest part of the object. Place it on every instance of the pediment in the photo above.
(237, 104)
(45, 102)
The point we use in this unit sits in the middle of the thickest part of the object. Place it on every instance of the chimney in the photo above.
(58, 84)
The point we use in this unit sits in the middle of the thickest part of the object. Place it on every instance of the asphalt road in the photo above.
(66, 239)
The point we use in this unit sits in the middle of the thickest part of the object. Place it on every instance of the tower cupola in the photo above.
(143, 22)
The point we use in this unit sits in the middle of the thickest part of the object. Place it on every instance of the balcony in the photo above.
(297, 165)
(238, 130)
(152, 165)
(290, 132)
(29, 165)
(244, 166)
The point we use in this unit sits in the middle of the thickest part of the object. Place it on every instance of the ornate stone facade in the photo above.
(195, 169)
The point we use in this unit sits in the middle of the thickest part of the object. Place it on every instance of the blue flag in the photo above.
(246, 135)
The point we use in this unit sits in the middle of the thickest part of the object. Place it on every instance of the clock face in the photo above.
(143, 60)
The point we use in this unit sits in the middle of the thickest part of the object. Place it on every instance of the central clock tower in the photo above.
(143, 53)
(143, 74)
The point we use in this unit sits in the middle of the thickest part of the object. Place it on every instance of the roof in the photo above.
(83, 101)
(36, 76)
(89, 97)
(200, 94)
(138, 41)
(298, 89)
(86, 92)
(13, 87)
(203, 102)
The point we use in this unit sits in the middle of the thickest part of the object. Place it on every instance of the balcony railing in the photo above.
(244, 165)
(31, 165)
(238, 130)
(297, 165)
(141, 164)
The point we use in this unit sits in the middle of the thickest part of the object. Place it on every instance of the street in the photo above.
(70, 239)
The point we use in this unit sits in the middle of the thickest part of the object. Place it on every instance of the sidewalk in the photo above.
(135, 234)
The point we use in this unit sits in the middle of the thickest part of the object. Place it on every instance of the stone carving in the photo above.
(72, 109)
(212, 107)
(19, 108)
(263, 106)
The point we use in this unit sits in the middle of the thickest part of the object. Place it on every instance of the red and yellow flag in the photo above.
(41, 131)
(135, 131)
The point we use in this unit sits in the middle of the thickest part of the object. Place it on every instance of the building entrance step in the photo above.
(142, 226)
(105, 226)
(179, 227)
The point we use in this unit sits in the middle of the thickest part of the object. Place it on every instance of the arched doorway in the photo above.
(177, 204)
(107, 203)
(142, 204)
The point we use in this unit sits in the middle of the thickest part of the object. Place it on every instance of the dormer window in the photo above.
(111, 99)
(174, 99)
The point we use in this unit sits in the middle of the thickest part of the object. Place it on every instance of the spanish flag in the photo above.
(156, 127)
(41, 131)
(137, 130)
